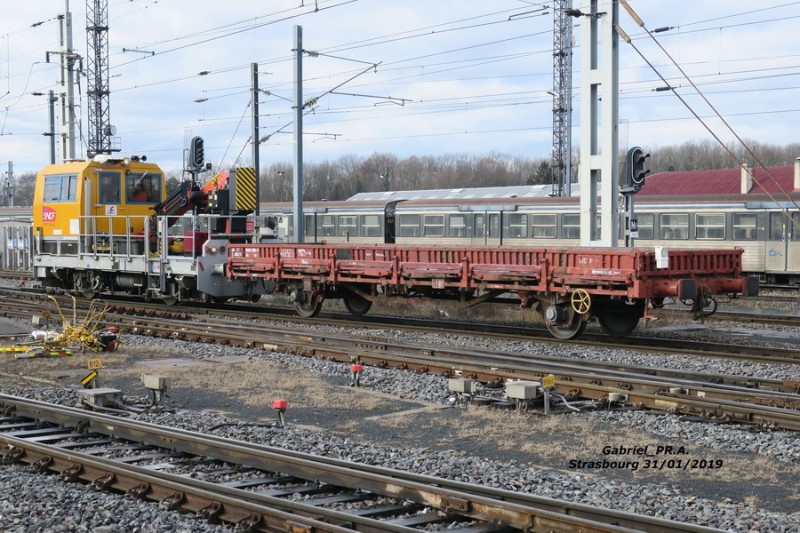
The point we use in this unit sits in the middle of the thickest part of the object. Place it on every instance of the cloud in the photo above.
(472, 76)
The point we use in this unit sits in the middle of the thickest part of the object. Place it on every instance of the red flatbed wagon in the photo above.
(566, 285)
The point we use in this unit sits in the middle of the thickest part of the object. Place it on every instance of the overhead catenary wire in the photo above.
(387, 67)
(627, 39)
(242, 30)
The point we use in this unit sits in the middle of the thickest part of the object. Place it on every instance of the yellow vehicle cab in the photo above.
(101, 196)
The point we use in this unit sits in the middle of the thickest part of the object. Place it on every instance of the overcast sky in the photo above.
(466, 76)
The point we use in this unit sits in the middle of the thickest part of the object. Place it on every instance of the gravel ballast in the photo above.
(478, 459)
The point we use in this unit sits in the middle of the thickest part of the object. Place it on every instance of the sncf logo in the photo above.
(48, 214)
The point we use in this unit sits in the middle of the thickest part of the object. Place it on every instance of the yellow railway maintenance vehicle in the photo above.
(100, 196)
(108, 226)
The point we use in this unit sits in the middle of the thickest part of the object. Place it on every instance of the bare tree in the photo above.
(24, 186)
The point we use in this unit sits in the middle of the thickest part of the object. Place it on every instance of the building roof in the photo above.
(716, 182)
(725, 181)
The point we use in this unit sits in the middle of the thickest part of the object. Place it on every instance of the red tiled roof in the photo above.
(724, 181)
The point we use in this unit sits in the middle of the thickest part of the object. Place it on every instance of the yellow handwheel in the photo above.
(581, 301)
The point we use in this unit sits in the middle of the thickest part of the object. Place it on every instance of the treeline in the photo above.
(350, 174)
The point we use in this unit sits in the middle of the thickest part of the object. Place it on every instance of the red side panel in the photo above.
(610, 271)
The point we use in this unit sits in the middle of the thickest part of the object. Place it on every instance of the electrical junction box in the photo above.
(100, 397)
(523, 390)
(155, 382)
(464, 386)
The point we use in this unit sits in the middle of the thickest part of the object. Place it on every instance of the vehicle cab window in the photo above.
(60, 188)
(142, 188)
(109, 188)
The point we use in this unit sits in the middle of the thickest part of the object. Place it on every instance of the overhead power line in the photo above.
(747, 148)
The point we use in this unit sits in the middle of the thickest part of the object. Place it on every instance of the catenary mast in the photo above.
(562, 98)
(100, 130)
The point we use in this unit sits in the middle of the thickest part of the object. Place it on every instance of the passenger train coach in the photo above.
(675, 210)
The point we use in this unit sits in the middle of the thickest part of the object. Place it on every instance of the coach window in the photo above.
(371, 226)
(517, 226)
(348, 226)
(644, 223)
(674, 227)
(109, 189)
(458, 226)
(433, 225)
(308, 227)
(408, 225)
(709, 225)
(796, 226)
(326, 225)
(60, 188)
(777, 222)
(494, 225)
(480, 225)
(744, 226)
(570, 226)
(544, 226)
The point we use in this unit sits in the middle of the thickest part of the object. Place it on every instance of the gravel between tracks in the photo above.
(463, 444)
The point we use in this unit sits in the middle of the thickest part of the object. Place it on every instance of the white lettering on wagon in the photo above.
(605, 272)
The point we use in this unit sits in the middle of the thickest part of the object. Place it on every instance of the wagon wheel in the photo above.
(88, 294)
(568, 331)
(619, 321)
(356, 304)
(83, 287)
(309, 307)
(581, 301)
(571, 327)
(170, 300)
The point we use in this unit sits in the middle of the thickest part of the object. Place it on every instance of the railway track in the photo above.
(782, 317)
(126, 305)
(185, 471)
(764, 402)
(776, 404)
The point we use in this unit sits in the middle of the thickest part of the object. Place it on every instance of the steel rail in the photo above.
(523, 333)
(487, 363)
(495, 506)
